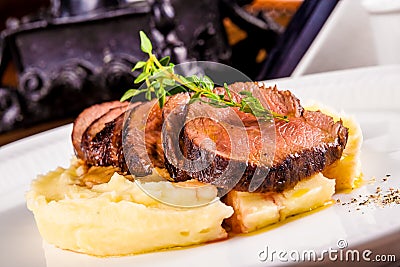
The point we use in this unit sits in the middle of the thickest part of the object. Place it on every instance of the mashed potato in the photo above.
(346, 171)
(116, 217)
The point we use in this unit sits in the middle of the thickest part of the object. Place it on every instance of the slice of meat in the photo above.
(86, 118)
(105, 148)
(126, 136)
(98, 125)
(305, 145)
(90, 155)
(174, 116)
(153, 130)
(101, 143)
(142, 139)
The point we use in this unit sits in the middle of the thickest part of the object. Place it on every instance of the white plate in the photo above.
(370, 94)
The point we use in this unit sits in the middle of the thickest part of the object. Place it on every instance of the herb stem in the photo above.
(175, 77)
(159, 75)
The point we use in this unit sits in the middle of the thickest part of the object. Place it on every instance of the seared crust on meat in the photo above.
(102, 142)
(305, 145)
(90, 150)
(86, 118)
(105, 149)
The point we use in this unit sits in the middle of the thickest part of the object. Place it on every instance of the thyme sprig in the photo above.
(161, 80)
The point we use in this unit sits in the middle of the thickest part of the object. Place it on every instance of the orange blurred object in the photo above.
(286, 4)
(279, 10)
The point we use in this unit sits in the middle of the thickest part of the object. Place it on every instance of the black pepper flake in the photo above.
(381, 198)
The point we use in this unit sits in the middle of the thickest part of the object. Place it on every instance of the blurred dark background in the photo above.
(58, 57)
(19, 8)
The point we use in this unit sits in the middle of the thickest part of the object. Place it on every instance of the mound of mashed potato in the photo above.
(117, 217)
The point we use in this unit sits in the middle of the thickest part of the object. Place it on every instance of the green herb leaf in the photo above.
(195, 97)
(252, 105)
(138, 65)
(142, 76)
(190, 80)
(209, 84)
(131, 93)
(247, 93)
(176, 90)
(228, 91)
(165, 61)
(213, 96)
(161, 101)
(145, 43)
(215, 103)
(148, 95)
(155, 84)
(168, 82)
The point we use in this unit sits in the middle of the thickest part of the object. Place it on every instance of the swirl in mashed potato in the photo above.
(117, 217)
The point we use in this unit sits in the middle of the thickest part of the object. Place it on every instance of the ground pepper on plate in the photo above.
(381, 198)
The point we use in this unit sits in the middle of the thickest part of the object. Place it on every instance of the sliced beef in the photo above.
(153, 135)
(86, 118)
(101, 141)
(96, 127)
(105, 149)
(209, 144)
(99, 124)
(106, 143)
(305, 145)
(142, 139)
(174, 117)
